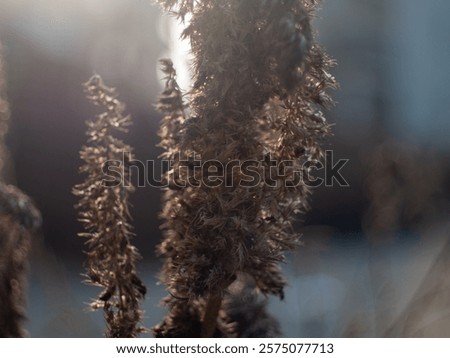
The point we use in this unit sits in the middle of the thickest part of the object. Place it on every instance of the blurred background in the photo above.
(375, 261)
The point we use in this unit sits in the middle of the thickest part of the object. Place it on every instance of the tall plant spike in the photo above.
(103, 210)
(259, 86)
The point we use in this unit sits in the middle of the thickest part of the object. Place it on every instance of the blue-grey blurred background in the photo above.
(376, 255)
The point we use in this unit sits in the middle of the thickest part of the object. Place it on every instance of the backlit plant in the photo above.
(259, 86)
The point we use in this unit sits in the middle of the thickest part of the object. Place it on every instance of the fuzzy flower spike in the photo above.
(255, 118)
(104, 212)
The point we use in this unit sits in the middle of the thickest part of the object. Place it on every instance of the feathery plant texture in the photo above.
(259, 87)
(19, 220)
(104, 212)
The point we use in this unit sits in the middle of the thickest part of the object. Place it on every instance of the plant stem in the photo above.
(211, 314)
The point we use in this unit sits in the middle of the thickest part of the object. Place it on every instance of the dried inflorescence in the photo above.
(260, 80)
(19, 220)
(105, 215)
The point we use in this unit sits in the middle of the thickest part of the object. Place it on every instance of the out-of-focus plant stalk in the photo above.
(19, 221)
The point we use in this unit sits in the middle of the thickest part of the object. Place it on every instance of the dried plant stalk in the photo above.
(259, 82)
(19, 220)
(105, 215)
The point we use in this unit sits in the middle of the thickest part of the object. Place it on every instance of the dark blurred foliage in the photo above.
(247, 312)
(19, 222)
